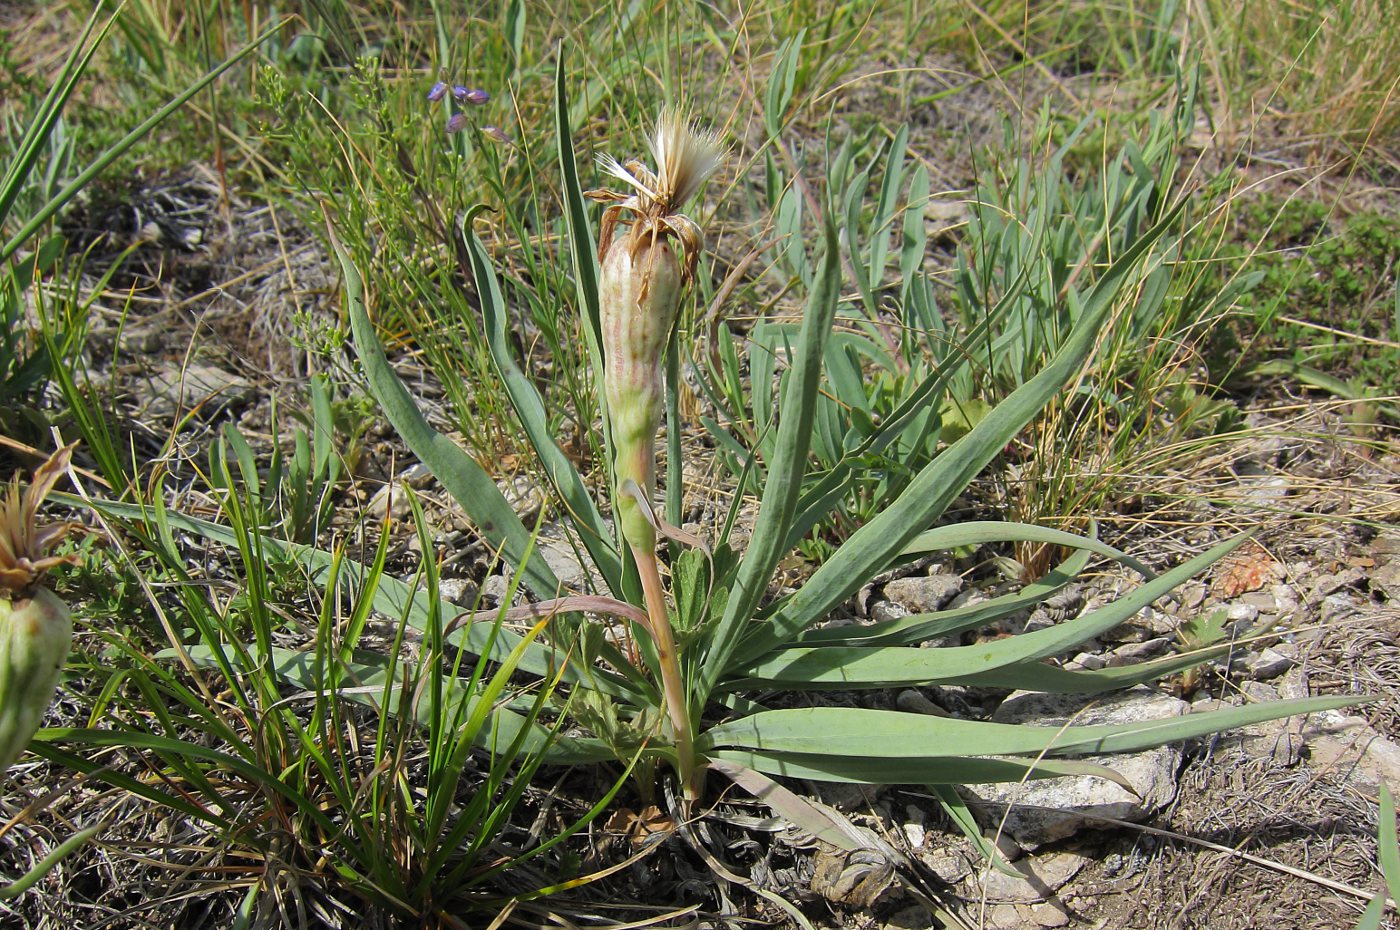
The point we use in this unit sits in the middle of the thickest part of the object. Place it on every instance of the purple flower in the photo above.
(457, 122)
(437, 92)
(473, 95)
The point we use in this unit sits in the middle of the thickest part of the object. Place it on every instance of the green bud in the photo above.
(35, 635)
(639, 294)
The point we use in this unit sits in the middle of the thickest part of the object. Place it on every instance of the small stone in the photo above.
(1089, 661)
(494, 588)
(1258, 692)
(1192, 594)
(968, 598)
(176, 389)
(460, 591)
(924, 594)
(950, 867)
(565, 566)
(1005, 917)
(1269, 663)
(1041, 877)
(1337, 607)
(1263, 602)
(1349, 744)
(915, 834)
(1050, 914)
(1144, 625)
(887, 610)
(1385, 579)
(1241, 615)
(1330, 584)
(1265, 492)
(1285, 597)
(916, 702)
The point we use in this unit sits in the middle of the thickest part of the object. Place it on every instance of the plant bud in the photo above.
(35, 635)
(35, 628)
(639, 294)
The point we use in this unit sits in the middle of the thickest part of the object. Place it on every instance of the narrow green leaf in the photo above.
(565, 479)
(981, 532)
(846, 731)
(1388, 845)
(897, 666)
(786, 472)
(460, 474)
(904, 770)
(1038, 676)
(583, 250)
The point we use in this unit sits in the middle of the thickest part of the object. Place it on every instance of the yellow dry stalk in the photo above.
(36, 630)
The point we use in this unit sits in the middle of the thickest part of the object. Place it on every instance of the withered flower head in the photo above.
(24, 544)
(685, 156)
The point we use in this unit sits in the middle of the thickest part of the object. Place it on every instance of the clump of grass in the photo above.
(1325, 292)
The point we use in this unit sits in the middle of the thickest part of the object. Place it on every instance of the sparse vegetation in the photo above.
(404, 605)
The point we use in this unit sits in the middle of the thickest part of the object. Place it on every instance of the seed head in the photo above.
(24, 545)
(684, 156)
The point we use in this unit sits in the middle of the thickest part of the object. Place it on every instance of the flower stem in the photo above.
(672, 684)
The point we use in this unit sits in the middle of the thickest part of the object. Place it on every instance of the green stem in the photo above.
(672, 685)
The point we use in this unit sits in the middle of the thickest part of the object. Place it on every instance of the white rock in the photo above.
(1051, 809)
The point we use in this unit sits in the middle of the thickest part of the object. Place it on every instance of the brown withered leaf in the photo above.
(637, 826)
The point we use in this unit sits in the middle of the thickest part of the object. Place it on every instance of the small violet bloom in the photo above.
(457, 122)
(437, 92)
(472, 95)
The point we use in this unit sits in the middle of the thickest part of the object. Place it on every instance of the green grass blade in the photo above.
(391, 597)
(464, 478)
(583, 250)
(111, 154)
(1389, 843)
(567, 482)
(981, 532)
(1038, 676)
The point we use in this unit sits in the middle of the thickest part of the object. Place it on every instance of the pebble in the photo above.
(1050, 914)
(460, 591)
(887, 610)
(1269, 663)
(924, 594)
